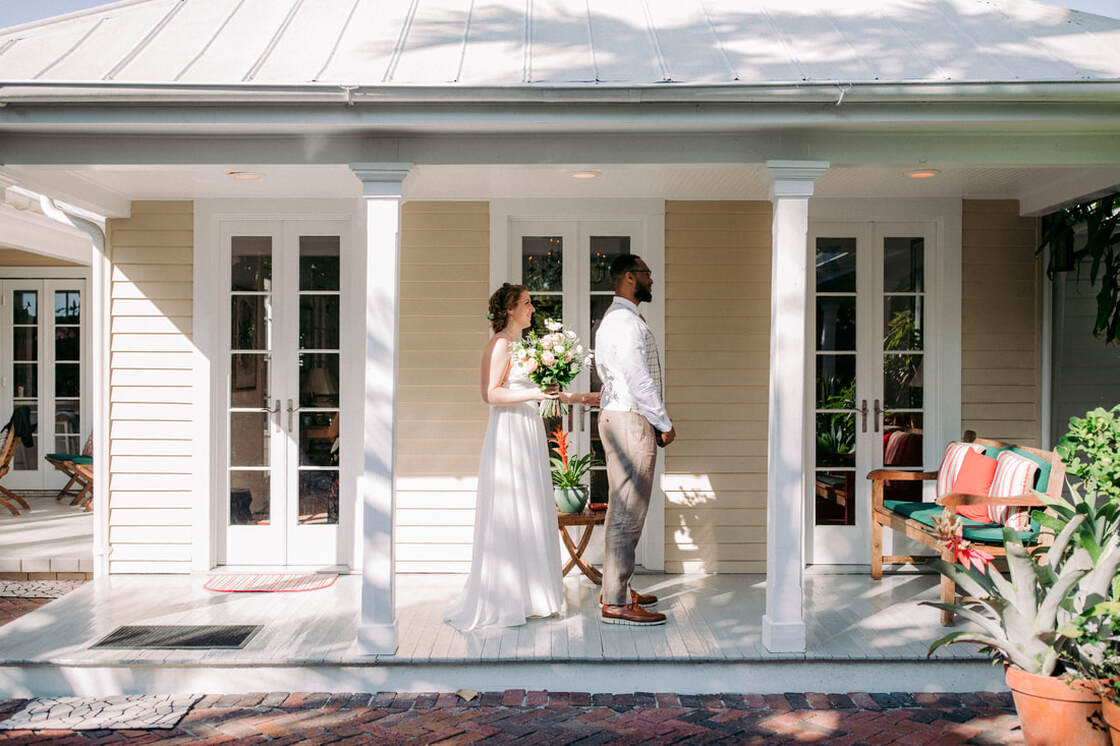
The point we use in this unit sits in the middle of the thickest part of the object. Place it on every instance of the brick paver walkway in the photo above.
(562, 717)
(572, 718)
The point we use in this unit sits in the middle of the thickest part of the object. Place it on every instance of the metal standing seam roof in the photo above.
(581, 43)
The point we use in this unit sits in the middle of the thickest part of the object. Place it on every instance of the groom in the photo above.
(632, 424)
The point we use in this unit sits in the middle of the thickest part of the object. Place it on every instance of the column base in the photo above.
(377, 639)
(783, 637)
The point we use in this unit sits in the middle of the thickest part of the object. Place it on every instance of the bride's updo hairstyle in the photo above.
(503, 299)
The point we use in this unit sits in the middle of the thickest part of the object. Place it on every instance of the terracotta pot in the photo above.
(1057, 712)
(1111, 712)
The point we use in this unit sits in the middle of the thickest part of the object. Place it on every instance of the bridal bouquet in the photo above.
(554, 359)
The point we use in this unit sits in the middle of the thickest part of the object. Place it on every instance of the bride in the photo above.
(515, 566)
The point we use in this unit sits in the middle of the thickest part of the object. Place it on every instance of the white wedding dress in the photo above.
(515, 566)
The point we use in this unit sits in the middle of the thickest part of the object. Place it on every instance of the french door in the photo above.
(42, 354)
(869, 335)
(284, 315)
(565, 264)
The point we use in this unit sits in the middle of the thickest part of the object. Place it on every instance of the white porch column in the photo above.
(783, 625)
(381, 190)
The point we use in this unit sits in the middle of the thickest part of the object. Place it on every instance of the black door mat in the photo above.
(180, 636)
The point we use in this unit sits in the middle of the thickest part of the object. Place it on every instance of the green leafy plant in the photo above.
(1091, 452)
(567, 470)
(1101, 252)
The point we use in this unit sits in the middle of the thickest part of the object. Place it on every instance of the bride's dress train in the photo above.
(515, 566)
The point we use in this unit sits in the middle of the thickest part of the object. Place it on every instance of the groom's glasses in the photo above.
(646, 271)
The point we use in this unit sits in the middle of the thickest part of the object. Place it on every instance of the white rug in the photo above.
(125, 712)
(37, 588)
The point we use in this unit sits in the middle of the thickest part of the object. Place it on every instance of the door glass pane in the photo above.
(548, 307)
(25, 377)
(249, 497)
(542, 263)
(836, 265)
(836, 381)
(903, 265)
(25, 307)
(835, 498)
(902, 381)
(248, 381)
(318, 380)
(903, 322)
(318, 438)
(25, 343)
(67, 343)
(67, 379)
(68, 426)
(67, 307)
(249, 322)
(26, 458)
(248, 439)
(319, 262)
(836, 322)
(318, 322)
(251, 266)
(318, 497)
(902, 449)
(836, 439)
(603, 251)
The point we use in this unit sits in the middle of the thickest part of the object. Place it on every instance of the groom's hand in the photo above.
(665, 438)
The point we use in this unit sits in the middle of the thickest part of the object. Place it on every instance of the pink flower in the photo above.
(531, 365)
(547, 358)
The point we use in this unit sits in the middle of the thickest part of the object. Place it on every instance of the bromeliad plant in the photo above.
(567, 470)
(1019, 618)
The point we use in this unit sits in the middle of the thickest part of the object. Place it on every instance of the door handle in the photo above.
(878, 411)
(291, 411)
(276, 411)
(863, 415)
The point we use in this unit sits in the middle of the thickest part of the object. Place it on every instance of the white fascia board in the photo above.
(833, 91)
(70, 187)
(1052, 195)
(38, 234)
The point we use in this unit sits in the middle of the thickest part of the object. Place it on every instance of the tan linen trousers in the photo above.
(630, 444)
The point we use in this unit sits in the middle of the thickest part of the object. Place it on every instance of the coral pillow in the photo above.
(975, 478)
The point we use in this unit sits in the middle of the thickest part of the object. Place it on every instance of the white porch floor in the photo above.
(52, 537)
(862, 636)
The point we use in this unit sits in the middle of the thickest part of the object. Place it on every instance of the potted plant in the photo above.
(1018, 618)
(1094, 652)
(568, 472)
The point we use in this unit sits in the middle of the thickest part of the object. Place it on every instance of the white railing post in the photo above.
(382, 194)
(783, 625)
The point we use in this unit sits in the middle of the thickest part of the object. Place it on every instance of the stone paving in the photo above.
(571, 718)
(125, 712)
(37, 588)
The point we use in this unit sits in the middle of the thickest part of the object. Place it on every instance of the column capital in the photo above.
(794, 178)
(381, 179)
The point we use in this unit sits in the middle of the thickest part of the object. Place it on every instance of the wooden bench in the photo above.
(915, 520)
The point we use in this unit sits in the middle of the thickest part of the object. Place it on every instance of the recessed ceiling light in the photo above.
(923, 173)
(244, 175)
(586, 174)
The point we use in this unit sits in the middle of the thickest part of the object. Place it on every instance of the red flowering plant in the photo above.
(567, 470)
(950, 533)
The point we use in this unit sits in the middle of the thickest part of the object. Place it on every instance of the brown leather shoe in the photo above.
(631, 615)
(642, 599)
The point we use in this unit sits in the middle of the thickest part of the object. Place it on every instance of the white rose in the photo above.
(579, 349)
(568, 356)
(570, 334)
(530, 366)
(552, 325)
(547, 358)
(546, 341)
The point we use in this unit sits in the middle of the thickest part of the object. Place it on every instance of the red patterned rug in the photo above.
(270, 583)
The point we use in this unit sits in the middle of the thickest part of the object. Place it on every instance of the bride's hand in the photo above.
(544, 394)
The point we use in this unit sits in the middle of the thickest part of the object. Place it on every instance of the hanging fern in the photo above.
(1101, 253)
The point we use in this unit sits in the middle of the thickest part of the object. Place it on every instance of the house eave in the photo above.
(831, 91)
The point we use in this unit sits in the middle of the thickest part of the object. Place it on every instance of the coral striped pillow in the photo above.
(951, 465)
(1014, 476)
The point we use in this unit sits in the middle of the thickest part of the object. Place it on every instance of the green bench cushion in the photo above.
(984, 533)
(1041, 477)
(76, 458)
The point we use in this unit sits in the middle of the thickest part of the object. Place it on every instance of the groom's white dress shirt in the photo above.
(627, 363)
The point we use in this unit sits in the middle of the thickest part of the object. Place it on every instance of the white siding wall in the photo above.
(150, 389)
(445, 266)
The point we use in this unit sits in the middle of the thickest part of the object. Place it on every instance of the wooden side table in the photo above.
(589, 519)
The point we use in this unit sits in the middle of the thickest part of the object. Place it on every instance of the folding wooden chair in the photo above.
(7, 451)
(66, 463)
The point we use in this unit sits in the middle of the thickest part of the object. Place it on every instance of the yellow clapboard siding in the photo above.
(153, 325)
(152, 500)
(119, 446)
(178, 430)
(427, 552)
(152, 360)
(132, 254)
(153, 289)
(151, 482)
(717, 307)
(152, 307)
(1001, 348)
(151, 239)
(441, 568)
(151, 553)
(153, 393)
(153, 273)
(137, 377)
(414, 517)
(150, 464)
(149, 516)
(716, 552)
(150, 411)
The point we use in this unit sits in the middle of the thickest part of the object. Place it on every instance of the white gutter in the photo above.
(100, 276)
(834, 92)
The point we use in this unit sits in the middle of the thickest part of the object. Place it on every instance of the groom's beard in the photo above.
(643, 294)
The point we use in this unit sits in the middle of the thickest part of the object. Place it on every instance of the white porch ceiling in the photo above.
(115, 186)
(468, 43)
